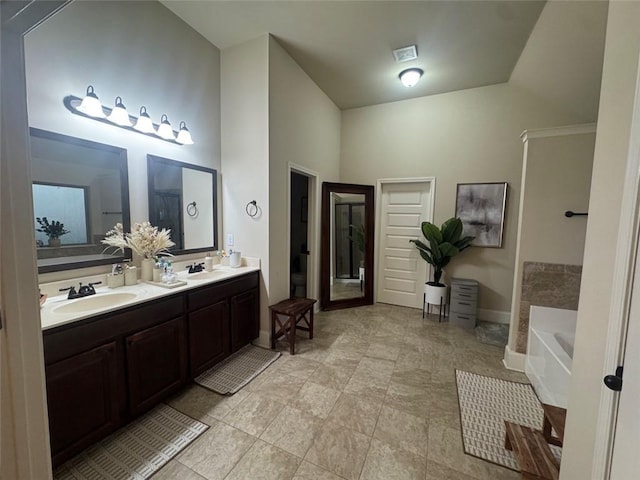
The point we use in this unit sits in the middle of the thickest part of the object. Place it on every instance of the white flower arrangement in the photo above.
(144, 239)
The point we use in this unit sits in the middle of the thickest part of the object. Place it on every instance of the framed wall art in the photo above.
(481, 208)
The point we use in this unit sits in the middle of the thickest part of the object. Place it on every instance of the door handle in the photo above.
(614, 382)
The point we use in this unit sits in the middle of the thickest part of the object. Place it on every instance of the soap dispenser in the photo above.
(208, 262)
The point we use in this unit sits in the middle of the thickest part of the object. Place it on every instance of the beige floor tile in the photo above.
(385, 462)
(254, 414)
(408, 399)
(205, 405)
(356, 413)
(216, 451)
(292, 431)
(298, 366)
(367, 386)
(265, 462)
(402, 430)
(335, 377)
(280, 386)
(376, 367)
(413, 377)
(339, 450)
(175, 469)
(342, 358)
(309, 471)
(385, 352)
(316, 399)
(436, 471)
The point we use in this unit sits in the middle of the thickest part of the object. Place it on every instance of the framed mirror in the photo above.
(346, 245)
(80, 191)
(182, 198)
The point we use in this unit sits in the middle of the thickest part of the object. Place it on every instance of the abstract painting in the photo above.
(481, 208)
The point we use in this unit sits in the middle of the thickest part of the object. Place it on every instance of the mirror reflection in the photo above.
(182, 198)
(347, 245)
(80, 191)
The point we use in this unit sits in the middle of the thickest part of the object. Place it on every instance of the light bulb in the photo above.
(144, 123)
(91, 105)
(184, 137)
(119, 114)
(410, 76)
(164, 130)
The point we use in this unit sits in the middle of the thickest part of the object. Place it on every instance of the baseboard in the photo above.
(513, 360)
(494, 316)
(263, 339)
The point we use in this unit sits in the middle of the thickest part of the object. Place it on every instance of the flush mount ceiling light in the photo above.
(90, 107)
(410, 76)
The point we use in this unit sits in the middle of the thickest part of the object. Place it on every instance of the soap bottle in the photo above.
(208, 262)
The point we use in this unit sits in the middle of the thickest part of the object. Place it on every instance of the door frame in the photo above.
(378, 233)
(622, 289)
(313, 239)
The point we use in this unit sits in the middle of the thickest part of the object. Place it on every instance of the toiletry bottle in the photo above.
(208, 262)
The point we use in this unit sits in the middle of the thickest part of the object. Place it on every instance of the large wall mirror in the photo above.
(347, 245)
(182, 198)
(80, 191)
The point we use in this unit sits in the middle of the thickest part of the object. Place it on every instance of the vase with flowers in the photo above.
(145, 240)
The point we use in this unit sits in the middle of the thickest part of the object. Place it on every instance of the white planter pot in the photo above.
(435, 295)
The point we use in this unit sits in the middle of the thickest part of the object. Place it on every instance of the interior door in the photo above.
(402, 272)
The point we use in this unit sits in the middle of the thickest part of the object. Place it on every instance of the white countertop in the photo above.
(51, 315)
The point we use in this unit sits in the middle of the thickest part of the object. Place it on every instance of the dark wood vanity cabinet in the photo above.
(105, 370)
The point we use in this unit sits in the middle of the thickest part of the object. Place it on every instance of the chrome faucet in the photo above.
(83, 290)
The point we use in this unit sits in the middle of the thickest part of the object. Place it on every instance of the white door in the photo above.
(402, 272)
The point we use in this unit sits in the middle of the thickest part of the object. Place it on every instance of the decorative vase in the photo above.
(54, 242)
(146, 274)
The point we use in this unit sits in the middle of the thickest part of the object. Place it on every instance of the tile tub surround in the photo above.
(546, 285)
(350, 409)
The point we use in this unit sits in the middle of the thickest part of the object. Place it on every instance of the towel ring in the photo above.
(192, 209)
(252, 208)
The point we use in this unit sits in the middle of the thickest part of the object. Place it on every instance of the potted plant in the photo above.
(54, 230)
(445, 242)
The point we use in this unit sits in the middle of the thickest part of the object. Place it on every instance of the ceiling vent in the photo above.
(405, 54)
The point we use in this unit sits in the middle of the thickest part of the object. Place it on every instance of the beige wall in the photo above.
(466, 136)
(612, 145)
(137, 50)
(557, 177)
(304, 129)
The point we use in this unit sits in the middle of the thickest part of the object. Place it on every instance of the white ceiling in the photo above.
(346, 46)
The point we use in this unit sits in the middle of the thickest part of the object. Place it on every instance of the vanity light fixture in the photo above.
(90, 107)
(410, 76)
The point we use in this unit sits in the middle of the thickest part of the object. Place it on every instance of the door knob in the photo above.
(614, 382)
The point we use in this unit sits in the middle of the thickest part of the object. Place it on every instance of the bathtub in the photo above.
(550, 353)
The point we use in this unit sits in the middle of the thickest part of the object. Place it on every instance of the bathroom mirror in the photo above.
(347, 245)
(83, 185)
(182, 198)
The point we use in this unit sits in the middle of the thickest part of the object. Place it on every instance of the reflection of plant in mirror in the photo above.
(357, 236)
(53, 229)
(144, 239)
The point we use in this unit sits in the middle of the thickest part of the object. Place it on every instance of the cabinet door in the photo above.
(209, 339)
(156, 361)
(245, 319)
(85, 396)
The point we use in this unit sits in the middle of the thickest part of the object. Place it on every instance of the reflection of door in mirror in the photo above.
(347, 245)
(81, 188)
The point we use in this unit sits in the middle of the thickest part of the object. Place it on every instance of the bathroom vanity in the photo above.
(102, 370)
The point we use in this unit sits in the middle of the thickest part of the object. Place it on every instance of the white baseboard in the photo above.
(263, 340)
(495, 316)
(513, 360)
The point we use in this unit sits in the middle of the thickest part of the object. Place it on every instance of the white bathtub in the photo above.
(550, 352)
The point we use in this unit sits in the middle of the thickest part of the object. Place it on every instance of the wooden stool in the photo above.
(535, 459)
(296, 310)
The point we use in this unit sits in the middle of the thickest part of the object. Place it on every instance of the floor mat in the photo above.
(136, 451)
(233, 373)
(493, 333)
(485, 403)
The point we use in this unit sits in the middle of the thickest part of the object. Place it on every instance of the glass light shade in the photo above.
(144, 123)
(184, 137)
(411, 76)
(119, 114)
(90, 104)
(164, 130)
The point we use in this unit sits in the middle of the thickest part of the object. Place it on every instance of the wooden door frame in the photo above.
(379, 185)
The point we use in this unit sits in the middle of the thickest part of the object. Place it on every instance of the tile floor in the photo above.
(372, 396)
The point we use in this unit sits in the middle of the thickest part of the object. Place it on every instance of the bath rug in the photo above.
(233, 373)
(496, 334)
(137, 450)
(485, 403)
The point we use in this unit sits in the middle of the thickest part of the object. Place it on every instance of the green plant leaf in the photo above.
(431, 232)
(452, 230)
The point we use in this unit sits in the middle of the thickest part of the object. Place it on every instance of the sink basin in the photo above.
(95, 302)
(206, 275)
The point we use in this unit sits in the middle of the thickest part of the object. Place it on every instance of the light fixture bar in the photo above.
(72, 103)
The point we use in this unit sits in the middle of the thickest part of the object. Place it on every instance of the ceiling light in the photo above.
(164, 130)
(410, 76)
(184, 137)
(144, 123)
(91, 105)
(119, 114)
